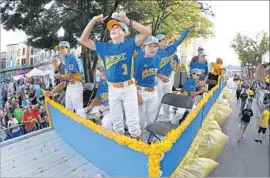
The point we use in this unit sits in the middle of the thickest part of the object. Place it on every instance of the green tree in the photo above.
(173, 17)
(251, 50)
(41, 19)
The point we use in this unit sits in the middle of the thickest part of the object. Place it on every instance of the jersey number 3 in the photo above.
(124, 66)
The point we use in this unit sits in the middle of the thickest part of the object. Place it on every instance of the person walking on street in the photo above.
(265, 118)
(247, 113)
(243, 97)
(238, 93)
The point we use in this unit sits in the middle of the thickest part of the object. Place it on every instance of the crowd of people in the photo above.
(245, 93)
(22, 109)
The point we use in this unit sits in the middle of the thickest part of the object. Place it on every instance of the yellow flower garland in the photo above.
(194, 143)
(119, 138)
(155, 151)
(165, 145)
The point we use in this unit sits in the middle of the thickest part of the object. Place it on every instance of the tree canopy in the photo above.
(41, 19)
(251, 50)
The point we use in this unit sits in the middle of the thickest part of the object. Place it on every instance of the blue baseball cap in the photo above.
(113, 22)
(195, 71)
(202, 53)
(160, 37)
(62, 44)
(150, 39)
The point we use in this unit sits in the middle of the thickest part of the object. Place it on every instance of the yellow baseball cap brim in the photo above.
(111, 23)
(56, 48)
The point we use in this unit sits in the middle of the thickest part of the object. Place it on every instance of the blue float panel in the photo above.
(111, 157)
(173, 157)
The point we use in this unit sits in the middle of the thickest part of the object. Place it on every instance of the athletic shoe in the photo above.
(256, 140)
(260, 141)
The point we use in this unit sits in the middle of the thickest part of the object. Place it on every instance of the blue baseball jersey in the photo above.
(175, 58)
(102, 92)
(118, 59)
(203, 67)
(189, 86)
(146, 71)
(71, 64)
(166, 55)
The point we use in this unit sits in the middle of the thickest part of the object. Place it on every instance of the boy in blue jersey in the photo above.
(200, 64)
(146, 68)
(100, 104)
(165, 53)
(190, 85)
(118, 59)
(72, 78)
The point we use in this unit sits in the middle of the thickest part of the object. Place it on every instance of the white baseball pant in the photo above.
(107, 117)
(172, 78)
(74, 98)
(125, 100)
(162, 89)
(149, 108)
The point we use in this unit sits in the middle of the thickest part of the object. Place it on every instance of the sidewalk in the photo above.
(248, 158)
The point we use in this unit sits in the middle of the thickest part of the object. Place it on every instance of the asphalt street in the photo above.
(247, 158)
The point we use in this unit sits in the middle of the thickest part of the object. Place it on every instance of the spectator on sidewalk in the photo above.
(25, 101)
(238, 93)
(36, 114)
(13, 126)
(28, 120)
(33, 98)
(18, 113)
(265, 118)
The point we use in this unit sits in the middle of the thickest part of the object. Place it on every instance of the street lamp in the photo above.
(61, 33)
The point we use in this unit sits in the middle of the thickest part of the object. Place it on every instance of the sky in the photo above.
(249, 17)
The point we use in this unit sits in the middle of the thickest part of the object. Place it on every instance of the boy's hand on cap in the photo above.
(121, 17)
(99, 18)
(191, 27)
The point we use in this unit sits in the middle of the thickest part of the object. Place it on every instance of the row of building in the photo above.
(20, 55)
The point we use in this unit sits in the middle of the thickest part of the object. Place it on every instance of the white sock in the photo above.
(259, 136)
(263, 136)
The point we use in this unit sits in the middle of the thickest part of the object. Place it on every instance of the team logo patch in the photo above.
(71, 67)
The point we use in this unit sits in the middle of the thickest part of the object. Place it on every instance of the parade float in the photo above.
(176, 155)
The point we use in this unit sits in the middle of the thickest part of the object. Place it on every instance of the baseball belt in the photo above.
(121, 84)
(146, 89)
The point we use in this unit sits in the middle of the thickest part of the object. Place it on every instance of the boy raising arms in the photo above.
(118, 59)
